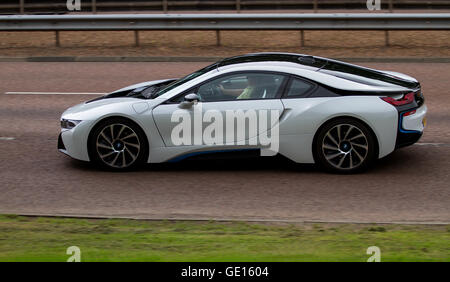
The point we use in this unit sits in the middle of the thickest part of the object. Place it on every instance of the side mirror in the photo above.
(189, 100)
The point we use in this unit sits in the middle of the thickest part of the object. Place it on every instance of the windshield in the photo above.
(148, 92)
(185, 79)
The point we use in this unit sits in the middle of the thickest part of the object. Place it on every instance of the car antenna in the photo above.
(218, 64)
(326, 63)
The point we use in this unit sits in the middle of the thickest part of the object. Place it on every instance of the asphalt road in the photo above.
(410, 185)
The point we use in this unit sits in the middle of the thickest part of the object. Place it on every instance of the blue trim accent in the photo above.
(188, 155)
(400, 124)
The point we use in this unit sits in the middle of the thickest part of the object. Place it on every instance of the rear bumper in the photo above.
(407, 139)
(411, 127)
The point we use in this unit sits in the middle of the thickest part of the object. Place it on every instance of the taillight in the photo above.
(409, 113)
(406, 99)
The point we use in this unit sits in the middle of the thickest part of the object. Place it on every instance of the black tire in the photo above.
(126, 150)
(345, 146)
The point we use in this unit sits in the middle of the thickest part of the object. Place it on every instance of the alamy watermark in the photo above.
(375, 252)
(73, 5)
(373, 5)
(75, 254)
(230, 127)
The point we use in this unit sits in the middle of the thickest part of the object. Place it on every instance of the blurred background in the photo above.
(328, 43)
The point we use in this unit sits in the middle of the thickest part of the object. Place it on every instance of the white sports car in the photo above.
(309, 109)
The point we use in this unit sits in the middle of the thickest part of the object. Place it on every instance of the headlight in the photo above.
(69, 123)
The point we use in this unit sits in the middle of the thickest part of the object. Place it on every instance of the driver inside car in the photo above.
(247, 93)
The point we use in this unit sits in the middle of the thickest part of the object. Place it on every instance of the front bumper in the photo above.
(61, 146)
(73, 142)
(60, 143)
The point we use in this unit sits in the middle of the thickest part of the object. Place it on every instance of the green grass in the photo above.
(46, 239)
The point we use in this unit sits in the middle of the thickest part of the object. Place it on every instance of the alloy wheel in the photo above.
(118, 145)
(345, 146)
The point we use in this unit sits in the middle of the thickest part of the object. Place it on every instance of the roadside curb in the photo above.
(202, 219)
(204, 59)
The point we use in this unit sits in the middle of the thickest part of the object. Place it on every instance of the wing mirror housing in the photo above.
(189, 101)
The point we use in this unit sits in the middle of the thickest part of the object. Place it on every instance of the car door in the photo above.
(233, 109)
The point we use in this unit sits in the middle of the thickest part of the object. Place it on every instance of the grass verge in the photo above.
(46, 239)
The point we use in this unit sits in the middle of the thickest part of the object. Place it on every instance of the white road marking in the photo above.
(432, 144)
(54, 93)
(7, 138)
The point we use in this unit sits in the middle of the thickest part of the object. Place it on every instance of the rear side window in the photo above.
(298, 88)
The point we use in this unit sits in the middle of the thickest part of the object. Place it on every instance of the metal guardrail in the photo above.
(220, 22)
(51, 6)
(227, 22)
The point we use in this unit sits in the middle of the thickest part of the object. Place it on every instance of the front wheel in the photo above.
(345, 146)
(118, 144)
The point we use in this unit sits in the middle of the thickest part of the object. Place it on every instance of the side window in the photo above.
(242, 86)
(298, 88)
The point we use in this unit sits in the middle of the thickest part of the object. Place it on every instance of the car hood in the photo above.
(82, 108)
(119, 105)
(142, 84)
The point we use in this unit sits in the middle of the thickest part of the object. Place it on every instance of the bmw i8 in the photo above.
(341, 116)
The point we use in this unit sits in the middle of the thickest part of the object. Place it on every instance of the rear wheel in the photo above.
(118, 144)
(345, 146)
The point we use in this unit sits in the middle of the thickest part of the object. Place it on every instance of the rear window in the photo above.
(342, 70)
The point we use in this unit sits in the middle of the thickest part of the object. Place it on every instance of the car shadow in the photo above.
(394, 161)
(277, 163)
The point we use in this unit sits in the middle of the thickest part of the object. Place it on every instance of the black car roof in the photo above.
(340, 69)
(279, 57)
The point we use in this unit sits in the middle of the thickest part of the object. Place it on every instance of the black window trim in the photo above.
(307, 94)
(194, 89)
